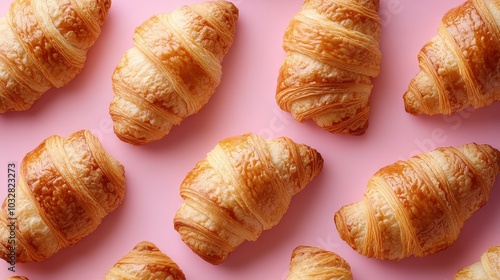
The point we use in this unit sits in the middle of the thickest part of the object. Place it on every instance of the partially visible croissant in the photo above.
(66, 186)
(145, 262)
(487, 268)
(460, 67)
(332, 52)
(317, 264)
(172, 70)
(44, 44)
(17, 278)
(419, 206)
(243, 187)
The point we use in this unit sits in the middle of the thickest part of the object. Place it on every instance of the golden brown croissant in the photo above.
(17, 278)
(332, 52)
(43, 44)
(172, 70)
(145, 261)
(243, 187)
(66, 186)
(316, 264)
(419, 206)
(487, 268)
(460, 67)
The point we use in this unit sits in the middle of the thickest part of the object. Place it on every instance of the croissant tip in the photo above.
(342, 227)
(146, 245)
(180, 226)
(130, 139)
(340, 224)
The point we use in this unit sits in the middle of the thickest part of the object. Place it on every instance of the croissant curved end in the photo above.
(411, 106)
(342, 228)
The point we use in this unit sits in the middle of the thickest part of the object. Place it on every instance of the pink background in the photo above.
(244, 102)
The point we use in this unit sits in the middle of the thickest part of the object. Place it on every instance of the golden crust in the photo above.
(418, 207)
(43, 44)
(332, 52)
(243, 187)
(66, 186)
(458, 71)
(145, 261)
(313, 263)
(172, 70)
(487, 268)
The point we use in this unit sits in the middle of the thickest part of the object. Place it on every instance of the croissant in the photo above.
(145, 262)
(243, 187)
(17, 278)
(172, 70)
(66, 186)
(460, 67)
(316, 264)
(487, 268)
(332, 53)
(419, 206)
(44, 44)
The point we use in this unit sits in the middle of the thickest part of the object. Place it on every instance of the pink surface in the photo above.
(244, 102)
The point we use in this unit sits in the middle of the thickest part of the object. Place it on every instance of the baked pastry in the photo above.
(312, 263)
(487, 268)
(44, 44)
(17, 278)
(460, 67)
(66, 186)
(332, 54)
(172, 70)
(243, 187)
(419, 206)
(145, 262)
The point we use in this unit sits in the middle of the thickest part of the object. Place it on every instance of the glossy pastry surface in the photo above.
(243, 187)
(44, 44)
(419, 206)
(313, 263)
(488, 267)
(172, 70)
(66, 186)
(460, 67)
(332, 54)
(145, 262)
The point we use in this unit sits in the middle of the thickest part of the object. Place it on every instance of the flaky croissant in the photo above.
(419, 206)
(332, 52)
(17, 278)
(172, 70)
(44, 44)
(243, 187)
(487, 268)
(66, 186)
(460, 67)
(313, 263)
(145, 262)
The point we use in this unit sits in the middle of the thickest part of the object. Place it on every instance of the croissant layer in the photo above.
(145, 262)
(44, 44)
(243, 187)
(460, 67)
(66, 186)
(332, 54)
(312, 263)
(419, 206)
(172, 70)
(488, 267)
